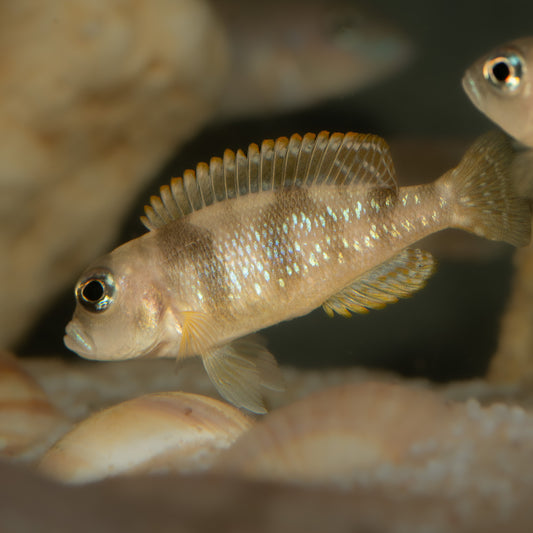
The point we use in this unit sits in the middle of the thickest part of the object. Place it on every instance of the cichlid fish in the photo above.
(253, 239)
(500, 86)
(288, 54)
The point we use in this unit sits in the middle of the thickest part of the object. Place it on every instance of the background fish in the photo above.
(288, 55)
(253, 239)
(500, 85)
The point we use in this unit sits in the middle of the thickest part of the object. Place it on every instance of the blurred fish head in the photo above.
(499, 85)
(121, 310)
(304, 52)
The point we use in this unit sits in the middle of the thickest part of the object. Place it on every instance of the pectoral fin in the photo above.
(240, 370)
(398, 277)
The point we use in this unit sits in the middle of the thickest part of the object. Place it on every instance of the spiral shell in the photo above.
(159, 432)
(356, 431)
(27, 418)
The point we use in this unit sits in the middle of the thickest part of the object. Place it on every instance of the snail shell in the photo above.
(27, 418)
(159, 432)
(331, 434)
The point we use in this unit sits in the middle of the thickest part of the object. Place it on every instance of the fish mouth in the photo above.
(78, 341)
(470, 88)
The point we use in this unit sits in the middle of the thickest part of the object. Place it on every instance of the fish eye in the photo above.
(96, 291)
(343, 27)
(504, 71)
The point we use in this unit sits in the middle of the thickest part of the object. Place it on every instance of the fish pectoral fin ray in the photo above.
(396, 278)
(349, 159)
(196, 331)
(240, 370)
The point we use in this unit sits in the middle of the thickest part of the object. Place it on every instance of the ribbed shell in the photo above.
(169, 431)
(27, 418)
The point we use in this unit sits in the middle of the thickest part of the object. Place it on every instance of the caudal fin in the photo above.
(486, 201)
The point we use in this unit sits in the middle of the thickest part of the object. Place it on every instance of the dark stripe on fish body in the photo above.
(284, 236)
(184, 244)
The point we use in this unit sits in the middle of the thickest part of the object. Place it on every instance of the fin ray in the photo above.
(487, 202)
(399, 277)
(240, 370)
(332, 159)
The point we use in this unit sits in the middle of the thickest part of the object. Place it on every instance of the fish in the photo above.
(292, 54)
(499, 84)
(252, 239)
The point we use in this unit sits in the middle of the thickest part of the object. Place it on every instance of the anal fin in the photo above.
(240, 370)
(396, 278)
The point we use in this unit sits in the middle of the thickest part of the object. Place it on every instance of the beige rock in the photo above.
(513, 361)
(93, 97)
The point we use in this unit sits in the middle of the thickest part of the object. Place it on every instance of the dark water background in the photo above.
(448, 330)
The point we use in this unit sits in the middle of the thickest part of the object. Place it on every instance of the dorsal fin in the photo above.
(331, 159)
(396, 278)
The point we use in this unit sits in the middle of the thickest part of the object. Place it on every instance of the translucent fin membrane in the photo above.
(333, 159)
(398, 277)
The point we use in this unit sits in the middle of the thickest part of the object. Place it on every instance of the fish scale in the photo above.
(330, 231)
(252, 239)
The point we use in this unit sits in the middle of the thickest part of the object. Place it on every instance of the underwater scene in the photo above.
(266, 266)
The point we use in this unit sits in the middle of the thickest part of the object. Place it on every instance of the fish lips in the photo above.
(78, 341)
(471, 89)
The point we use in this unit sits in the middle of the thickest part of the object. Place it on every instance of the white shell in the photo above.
(159, 432)
(331, 434)
(394, 436)
(27, 418)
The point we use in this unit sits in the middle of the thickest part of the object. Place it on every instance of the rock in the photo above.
(94, 96)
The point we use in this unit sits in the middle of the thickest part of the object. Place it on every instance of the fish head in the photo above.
(288, 55)
(121, 308)
(499, 84)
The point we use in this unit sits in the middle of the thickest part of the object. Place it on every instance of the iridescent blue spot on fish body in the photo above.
(235, 281)
(331, 213)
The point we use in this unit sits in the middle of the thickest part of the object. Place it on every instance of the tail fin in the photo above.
(486, 202)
